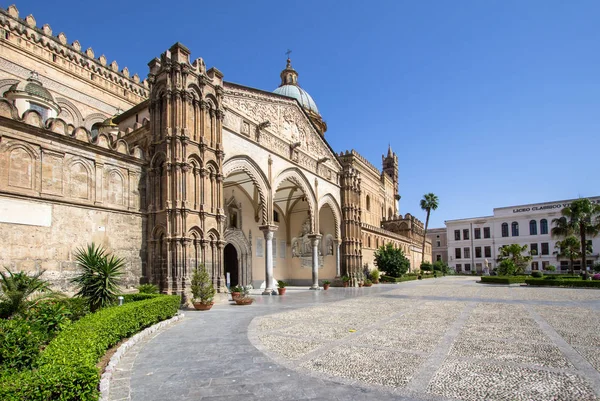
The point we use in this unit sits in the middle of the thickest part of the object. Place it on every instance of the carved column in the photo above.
(338, 271)
(221, 274)
(268, 231)
(314, 241)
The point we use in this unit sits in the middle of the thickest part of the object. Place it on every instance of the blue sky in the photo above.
(487, 103)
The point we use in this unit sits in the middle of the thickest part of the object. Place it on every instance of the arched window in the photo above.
(369, 241)
(505, 229)
(390, 213)
(368, 203)
(515, 229)
(543, 226)
(533, 227)
(95, 129)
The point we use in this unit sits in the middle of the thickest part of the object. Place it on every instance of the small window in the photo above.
(467, 253)
(515, 229)
(466, 233)
(505, 229)
(457, 253)
(534, 266)
(95, 129)
(457, 235)
(545, 264)
(477, 251)
(467, 267)
(369, 241)
(533, 249)
(486, 232)
(543, 226)
(533, 227)
(477, 233)
(458, 267)
(275, 216)
(545, 248)
(438, 258)
(438, 244)
(368, 203)
(488, 251)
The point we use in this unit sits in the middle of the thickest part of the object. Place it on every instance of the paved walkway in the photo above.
(443, 339)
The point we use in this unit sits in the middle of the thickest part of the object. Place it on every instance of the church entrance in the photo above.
(231, 264)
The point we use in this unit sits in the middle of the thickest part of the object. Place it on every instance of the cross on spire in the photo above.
(288, 53)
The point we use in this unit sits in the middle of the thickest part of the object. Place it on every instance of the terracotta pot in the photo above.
(326, 286)
(376, 282)
(201, 306)
(244, 301)
(368, 285)
(345, 284)
(360, 284)
(235, 295)
(281, 290)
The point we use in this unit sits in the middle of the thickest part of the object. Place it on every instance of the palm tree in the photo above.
(19, 291)
(514, 252)
(429, 202)
(569, 248)
(581, 218)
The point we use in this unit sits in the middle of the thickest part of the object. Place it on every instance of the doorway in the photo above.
(231, 264)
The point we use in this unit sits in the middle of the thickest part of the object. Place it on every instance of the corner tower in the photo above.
(390, 167)
(289, 87)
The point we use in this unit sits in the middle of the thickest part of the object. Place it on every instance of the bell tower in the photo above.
(390, 167)
(185, 180)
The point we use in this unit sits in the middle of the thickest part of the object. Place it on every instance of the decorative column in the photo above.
(268, 231)
(314, 241)
(338, 271)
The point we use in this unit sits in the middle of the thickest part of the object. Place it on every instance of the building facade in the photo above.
(179, 169)
(473, 243)
(439, 244)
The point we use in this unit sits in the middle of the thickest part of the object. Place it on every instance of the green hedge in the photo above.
(138, 297)
(390, 279)
(503, 279)
(563, 283)
(66, 369)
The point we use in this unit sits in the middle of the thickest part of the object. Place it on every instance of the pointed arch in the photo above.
(249, 166)
(329, 200)
(297, 177)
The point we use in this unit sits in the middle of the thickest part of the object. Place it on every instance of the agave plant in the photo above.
(100, 277)
(19, 291)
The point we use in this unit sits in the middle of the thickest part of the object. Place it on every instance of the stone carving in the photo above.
(301, 245)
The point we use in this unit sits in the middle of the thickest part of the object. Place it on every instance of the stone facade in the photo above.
(180, 169)
(439, 244)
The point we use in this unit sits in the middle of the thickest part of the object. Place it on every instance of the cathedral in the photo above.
(180, 169)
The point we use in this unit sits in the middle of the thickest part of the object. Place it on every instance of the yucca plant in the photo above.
(19, 291)
(148, 289)
(101, 276)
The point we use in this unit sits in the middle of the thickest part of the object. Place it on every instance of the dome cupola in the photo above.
(31, 95)
(289, 87)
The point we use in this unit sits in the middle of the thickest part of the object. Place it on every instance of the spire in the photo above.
(390, 153)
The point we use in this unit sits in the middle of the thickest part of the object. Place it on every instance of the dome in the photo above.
(299, 94)
(32, 87)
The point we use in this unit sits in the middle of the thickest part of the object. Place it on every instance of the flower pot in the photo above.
(376, 282)
(244, 301)
(235, 295)
(368, 285)
(281, 290)
(326, 286)
(360, 284)
(203, 306)
(345, 284)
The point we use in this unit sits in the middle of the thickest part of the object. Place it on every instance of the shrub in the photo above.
(281, 284)
(66, 369)
(20, 342)
(550, 268)
(563, 283)
(596, 267)
(99, 281)
(375, 275)
(426, 267)
(138, 297)
(391, 260)
(389, 279)
(148, 289)
(507, 268)
(537, 274)
(368, 282)
(79, 307)
(52, 316)
(201, 286)
(596, 277)
(503, 279)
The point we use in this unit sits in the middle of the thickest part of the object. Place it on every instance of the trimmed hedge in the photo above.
(389, 279)
(138, 297)
(576, 283)
(66, 369)
(503, 279)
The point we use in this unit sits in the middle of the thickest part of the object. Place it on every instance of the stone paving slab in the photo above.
(441, 340)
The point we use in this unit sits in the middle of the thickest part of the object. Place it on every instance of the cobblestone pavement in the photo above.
(443, 339)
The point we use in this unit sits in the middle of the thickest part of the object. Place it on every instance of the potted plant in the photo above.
(202, 288)
(375, 276)
(236, 292)
(345, 280)
(281, 287)
(326, 284)
(368, 283)
(245, 298)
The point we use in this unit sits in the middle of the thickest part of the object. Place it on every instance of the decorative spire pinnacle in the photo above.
(390, 153)
(289, 76)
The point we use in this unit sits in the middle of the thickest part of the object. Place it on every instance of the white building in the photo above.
(473, 242)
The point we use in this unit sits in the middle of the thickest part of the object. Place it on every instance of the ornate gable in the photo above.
(280, 125)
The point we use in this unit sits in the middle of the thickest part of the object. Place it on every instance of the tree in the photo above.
(569, 248)
(581, 218)
(19, 292)
(201, 286)
(441, 266)
(429, 202)
(100, 277)
(507, 268)
(514, 252)
(391, 260)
